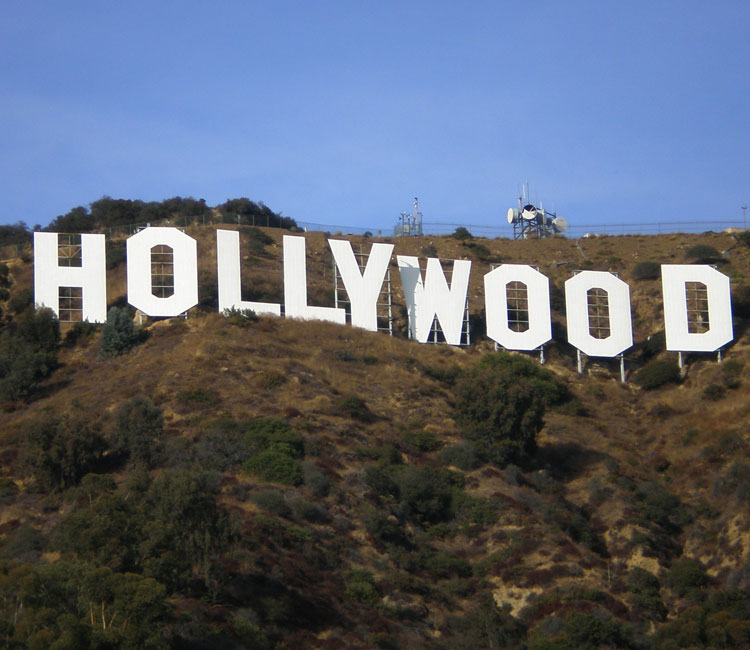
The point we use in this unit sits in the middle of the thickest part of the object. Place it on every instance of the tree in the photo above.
(59, 451)
(119, 335)
(500, 405)
(139, 428)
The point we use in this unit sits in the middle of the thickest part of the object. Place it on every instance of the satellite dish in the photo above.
(529, 213)
(512, 215)
(560, 224)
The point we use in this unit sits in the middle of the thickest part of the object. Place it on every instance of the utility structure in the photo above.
(409, 225)
(528, 221)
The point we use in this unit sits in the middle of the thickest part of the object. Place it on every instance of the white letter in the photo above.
(295, 286)
(91, 276)
(185, 271)
(576, 303)
(673, 279)
(363, 289)
(496, 307)
(433, 298)
(228, 276)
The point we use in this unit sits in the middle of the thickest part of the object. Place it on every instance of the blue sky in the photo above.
(341, 112)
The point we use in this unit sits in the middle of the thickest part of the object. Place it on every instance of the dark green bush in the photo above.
(660, 506)
(463, 456)
(657, 373)
(240, 317)
(20, 300)
(447, 565)
(59, 451)
(262, 433)
(714, 392)
(703, 254)
(647, 271)
(427, 493)
(360, 586)
(119, 335)
(688, 578)
(644, 594)
(139, 429)
(356, 408)
(316, 479)
(500, 405)
(25, 544)
(422, 441)
(276, 465)
(81, 331)
(462, 233)
(379, 480)
(273, 501)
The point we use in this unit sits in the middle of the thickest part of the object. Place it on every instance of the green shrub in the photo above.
(379, 480)
(384, 529)
(687, 577)
(463, 456)
(203, 397)
(427, 493)
(714, 392)
(355, 408)
(703, 254)
(429, 251)
(446, 376)
(21, 300)
(644, 594)
(262, 433)
(276, 465)
(316, 479)
(139, 429)
(273, 501)
(240, 317)
(422, 441)
(81, 331)
(657, 373)
(119, 335)
(312, 512)
(660, 506)
(59, 451)
(647, 271)
(500, 405)
(447, 565)
(360, 586)
(462, 233)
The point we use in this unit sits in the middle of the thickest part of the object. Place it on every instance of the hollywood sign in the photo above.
(427, 297)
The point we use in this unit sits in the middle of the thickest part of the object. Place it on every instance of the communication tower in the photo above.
(409, 225)
(528, 221)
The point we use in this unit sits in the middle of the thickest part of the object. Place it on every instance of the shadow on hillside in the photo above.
(566, 460)
(47, 389)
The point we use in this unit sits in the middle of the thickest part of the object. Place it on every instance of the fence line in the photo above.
(574, 230)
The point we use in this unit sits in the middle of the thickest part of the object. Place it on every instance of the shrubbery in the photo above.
(139, 428)
(657, 373)
(119, 335)
(500, 405)
(59, 451)
(275, 451)
(647, 271)
(703, 254)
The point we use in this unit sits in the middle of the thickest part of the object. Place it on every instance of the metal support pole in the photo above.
(718, 355)
(541, 355)
(622, 368)
(679, 360)
(580, 362)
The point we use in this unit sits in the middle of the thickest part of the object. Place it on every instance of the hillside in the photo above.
(272, 483)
